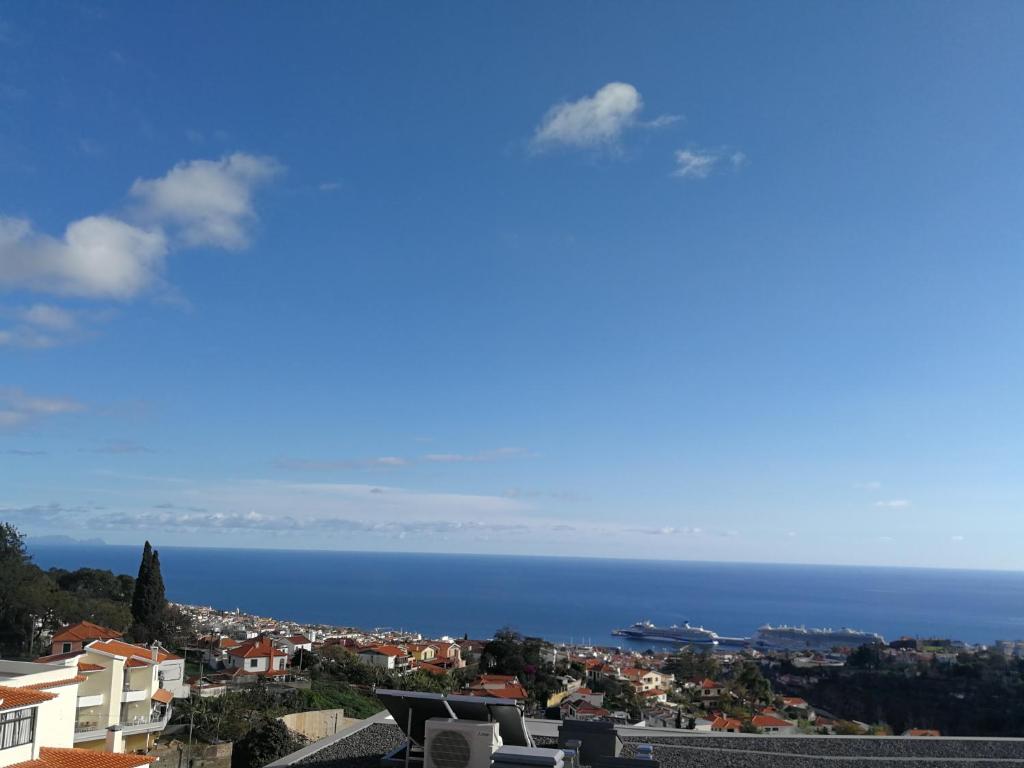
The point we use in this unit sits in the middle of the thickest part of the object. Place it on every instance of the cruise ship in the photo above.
(784, 637)
(684, 635)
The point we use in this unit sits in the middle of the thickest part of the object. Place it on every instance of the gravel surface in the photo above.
(363, 749)
(830, 746)
(781, 752)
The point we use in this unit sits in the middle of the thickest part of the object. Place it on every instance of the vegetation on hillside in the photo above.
(35, 603)
(980, 694)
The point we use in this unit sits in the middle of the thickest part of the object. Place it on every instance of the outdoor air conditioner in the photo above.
(459, 743)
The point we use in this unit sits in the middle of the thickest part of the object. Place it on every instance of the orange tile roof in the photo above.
(85, 631)
(56, 683)
(162, 695)
(16, 698)
(85, 666)
(256, 648)
(128, 650)
(60, 757)
(58, 657)
(385, 650)
(709, 683)
(767, 721)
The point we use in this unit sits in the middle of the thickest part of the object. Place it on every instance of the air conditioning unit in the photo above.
(459, 743)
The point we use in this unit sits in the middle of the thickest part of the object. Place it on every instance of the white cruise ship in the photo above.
(684, 635)
(786, 638)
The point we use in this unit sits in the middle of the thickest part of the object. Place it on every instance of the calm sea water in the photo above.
(572, 599)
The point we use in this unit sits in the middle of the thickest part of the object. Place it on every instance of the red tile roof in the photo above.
(162, 695)
(56, 683)
(767, 721)
(85, 666)
(709, 683)
(84, 631)
(385, 650)
(259, 648)
(55, 757)
(58, 657)
(16, 698)
(118, 648)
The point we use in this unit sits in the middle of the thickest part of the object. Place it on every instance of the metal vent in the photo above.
(449, 749)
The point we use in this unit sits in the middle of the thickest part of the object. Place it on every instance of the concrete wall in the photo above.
(318, 724)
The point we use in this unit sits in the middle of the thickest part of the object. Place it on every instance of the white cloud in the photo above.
(208, 201)
(871, 485)
(49, 317)
(591, 121)
(893, 504)
(98, 256)
(695, 163)
(202, 202)
(18, 408)
(461, 458)
(956, 538)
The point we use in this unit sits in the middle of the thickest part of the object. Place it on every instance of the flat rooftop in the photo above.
(363, 745)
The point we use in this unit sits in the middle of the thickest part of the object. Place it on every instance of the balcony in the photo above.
(91, 730)
(90, 701)
(155, 721)
(129, 695)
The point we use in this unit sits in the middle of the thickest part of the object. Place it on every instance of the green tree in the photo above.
(149, 601)
(266, 742)
(24, 593)
(141, 599)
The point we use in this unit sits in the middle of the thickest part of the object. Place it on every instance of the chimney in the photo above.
(154, 650)
(115, 740)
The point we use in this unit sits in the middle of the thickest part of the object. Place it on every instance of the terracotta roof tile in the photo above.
(55, 757)
(85, 631)
(162, 695)
(128, 650)
(56, 683)
(16, 698)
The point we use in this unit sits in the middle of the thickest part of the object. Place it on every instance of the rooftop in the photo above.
(362, 746)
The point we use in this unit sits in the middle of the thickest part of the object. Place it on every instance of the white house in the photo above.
(37, 721)
(386, 656)
(258, 656)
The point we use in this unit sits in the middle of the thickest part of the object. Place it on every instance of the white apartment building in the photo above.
(38, 705)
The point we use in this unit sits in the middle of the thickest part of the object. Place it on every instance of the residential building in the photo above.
(499, 686)
(257, 656)
(37, 721)
(294, 643)
(726, 725)
(119, 686)
(389, 657)
(77, 636)
(772, 724)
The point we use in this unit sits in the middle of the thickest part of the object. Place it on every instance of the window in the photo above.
(253, 662)
(66, 648)
(17, 728)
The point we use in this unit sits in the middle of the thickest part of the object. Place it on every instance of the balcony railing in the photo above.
(154, 721)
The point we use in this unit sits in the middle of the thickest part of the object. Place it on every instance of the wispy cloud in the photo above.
(41, 326)
(462, 458)
(871, 485)
(594, 121)
(695, 163)
(956, 538)
(18, 408)
(326, 465)
(117, 447)
(198, 203)
(893, 503)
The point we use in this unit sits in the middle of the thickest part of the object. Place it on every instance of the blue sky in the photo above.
(713, 281)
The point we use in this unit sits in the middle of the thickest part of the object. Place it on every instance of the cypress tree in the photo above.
(140, 599)
(158, 598)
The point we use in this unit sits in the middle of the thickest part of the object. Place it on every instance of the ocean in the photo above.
(571, 599)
